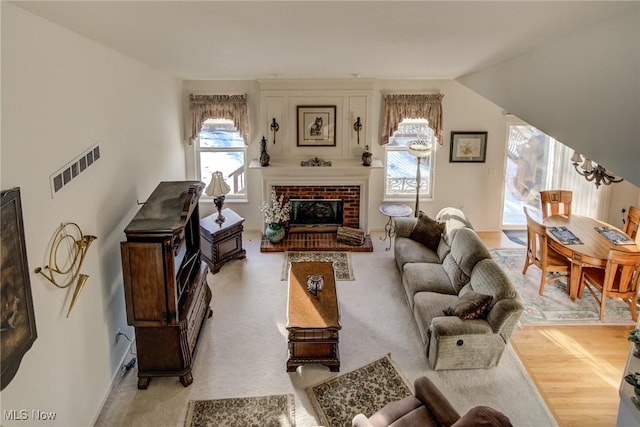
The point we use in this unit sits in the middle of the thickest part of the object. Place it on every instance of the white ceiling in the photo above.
(323, 39)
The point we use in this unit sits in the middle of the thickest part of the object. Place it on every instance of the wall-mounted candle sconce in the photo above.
(357, 126)
(275, 127)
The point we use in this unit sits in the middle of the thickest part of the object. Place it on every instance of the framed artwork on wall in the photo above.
(468, 147)
(316, 126)
(17, 319)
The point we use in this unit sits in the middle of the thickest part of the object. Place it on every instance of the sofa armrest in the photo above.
(504, 316)
(404, 225)
(427, 392)
(360, 420)
(446, 326)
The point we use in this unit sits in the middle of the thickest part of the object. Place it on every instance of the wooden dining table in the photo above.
(593, 249)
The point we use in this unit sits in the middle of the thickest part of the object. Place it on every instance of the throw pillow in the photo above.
(471, 305)
(427, 231)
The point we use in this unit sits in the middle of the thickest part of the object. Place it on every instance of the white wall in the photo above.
(61, 93)
(477, 187)
(583, 90)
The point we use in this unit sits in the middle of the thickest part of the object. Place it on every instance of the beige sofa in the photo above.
(439, 278)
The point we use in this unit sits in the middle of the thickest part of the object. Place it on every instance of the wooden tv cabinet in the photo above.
(165, 283)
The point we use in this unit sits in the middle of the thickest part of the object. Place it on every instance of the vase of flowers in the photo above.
(276, 213)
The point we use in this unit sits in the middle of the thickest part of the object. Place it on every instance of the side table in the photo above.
(220, 243)
(392, 210)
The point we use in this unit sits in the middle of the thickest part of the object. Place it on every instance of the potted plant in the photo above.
(634, 380)
(634, 337)
(276, 212)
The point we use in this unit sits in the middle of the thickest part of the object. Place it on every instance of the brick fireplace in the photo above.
(349, 194)
(345, 179)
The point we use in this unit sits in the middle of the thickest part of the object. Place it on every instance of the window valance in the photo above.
(231, 107)
(401, 106)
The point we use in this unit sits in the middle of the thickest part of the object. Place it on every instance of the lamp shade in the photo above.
(576, 158)
(217, 187)
(421, 146)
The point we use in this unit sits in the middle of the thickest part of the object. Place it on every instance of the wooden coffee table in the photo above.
(313, 321)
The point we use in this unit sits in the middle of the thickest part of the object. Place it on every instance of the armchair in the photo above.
(429, 407)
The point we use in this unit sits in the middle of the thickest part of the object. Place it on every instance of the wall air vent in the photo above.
(74, 168)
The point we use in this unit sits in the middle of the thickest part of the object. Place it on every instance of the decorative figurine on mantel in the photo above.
(315, 161)
(366, 156)
(264, 156)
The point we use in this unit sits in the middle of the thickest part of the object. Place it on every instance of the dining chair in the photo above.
(619, 279)
(555, 202)
(540, 254)
(631, 223)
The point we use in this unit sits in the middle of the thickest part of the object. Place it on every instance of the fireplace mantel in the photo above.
(339, 168)
(341, 172)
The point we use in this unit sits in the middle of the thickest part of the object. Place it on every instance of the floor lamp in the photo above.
(420, 148)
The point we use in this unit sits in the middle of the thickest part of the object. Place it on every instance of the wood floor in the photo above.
(577, 369)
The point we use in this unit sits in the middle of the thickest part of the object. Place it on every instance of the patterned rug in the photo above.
(272, 411)
(341, 262)
(555, 306)
(364, 390)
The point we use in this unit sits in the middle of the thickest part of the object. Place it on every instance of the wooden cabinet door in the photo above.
(144, 283)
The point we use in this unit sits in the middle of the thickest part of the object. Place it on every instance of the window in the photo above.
(537, 161)
(401, 167)
(221, 148)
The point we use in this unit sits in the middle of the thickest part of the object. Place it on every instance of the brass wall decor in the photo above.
(64, 268)
(275, 127)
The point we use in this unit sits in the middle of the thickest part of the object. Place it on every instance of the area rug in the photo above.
(364, 390)
(555, 306)
(517, 236)
(272, 411)
(341, 262)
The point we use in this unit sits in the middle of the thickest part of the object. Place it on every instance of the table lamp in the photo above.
(419, 148)
(217, 188)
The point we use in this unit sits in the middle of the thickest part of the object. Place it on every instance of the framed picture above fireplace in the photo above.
(316, 125)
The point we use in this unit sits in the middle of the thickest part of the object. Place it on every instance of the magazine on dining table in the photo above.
(615, 236)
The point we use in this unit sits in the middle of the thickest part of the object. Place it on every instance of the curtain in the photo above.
(587, 200)
(424, 106)
(231, 107)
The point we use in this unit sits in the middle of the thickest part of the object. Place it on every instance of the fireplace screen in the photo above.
(315, 212)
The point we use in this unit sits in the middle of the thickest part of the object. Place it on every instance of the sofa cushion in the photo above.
(429, 277)
(427, 306)
(467, 249)
(427, 231)
(489, 278)
(472, 305)
(410, 251)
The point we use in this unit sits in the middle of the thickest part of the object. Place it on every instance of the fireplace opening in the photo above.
(320, 215)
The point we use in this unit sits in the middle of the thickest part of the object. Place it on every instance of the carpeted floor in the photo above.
(341, 262)
(243, 348)
(364, 390)
(263, 411)
(555, 306)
